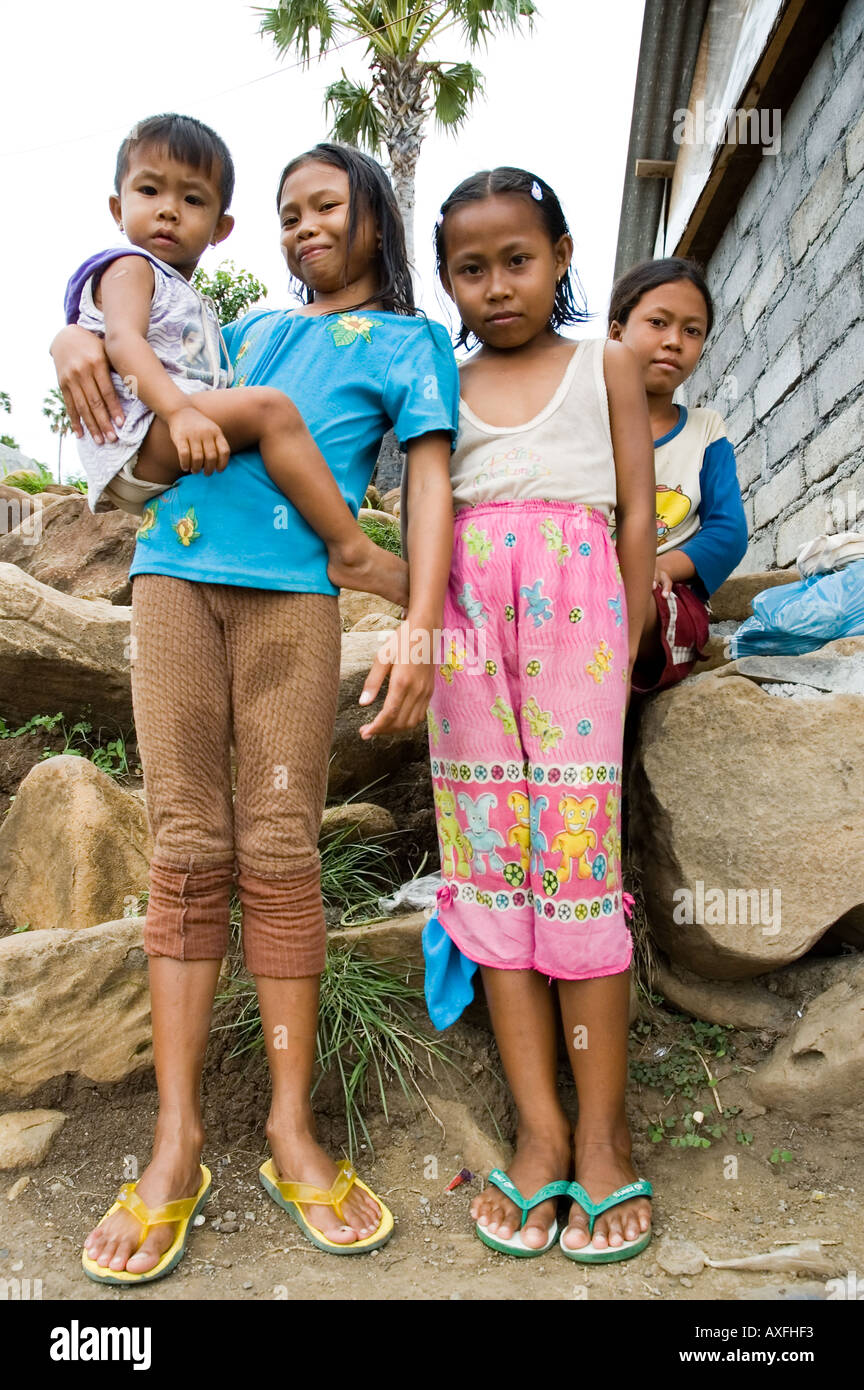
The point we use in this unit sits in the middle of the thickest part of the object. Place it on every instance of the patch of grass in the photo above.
(108, 753)
(387, 536)
(367, 1033)
(780, 1156)
(681, 1070)
(356, 873)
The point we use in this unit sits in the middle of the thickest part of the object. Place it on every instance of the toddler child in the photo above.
(173, 185)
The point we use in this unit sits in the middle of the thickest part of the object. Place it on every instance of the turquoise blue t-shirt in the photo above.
(352, 377)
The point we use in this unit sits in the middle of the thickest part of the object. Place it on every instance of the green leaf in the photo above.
(357, 119)
(293, 23)
(454, 89)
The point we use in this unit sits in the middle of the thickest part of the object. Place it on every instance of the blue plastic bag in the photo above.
(795, 618)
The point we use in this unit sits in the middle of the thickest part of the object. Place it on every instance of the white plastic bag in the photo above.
(419, 893)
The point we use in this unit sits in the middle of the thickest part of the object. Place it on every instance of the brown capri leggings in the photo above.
(216, 664)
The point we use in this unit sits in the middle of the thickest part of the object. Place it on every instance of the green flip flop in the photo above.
(589, 1254)
(515, 1244)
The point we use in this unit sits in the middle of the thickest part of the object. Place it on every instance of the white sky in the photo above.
(77, 76)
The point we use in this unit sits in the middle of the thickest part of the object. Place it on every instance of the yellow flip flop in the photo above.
(290, 1196)
(183, 1212)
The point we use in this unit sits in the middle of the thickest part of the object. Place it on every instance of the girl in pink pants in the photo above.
(541, 626)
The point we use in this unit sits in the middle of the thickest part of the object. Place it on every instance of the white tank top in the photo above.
(564, 454)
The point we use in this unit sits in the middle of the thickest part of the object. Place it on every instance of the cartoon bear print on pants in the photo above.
(575, 840)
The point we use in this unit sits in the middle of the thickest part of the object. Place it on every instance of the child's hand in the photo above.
(200, 443)
(411, 682)
(662, 581)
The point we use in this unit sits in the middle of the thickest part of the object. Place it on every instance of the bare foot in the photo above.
(601, 1168)
(298, 1157)
(541, 1157)
(173, 1172)
(366, 566)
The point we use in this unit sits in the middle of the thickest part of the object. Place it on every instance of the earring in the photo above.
(122, 229)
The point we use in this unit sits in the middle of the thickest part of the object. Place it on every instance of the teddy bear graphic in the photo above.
(575, 840)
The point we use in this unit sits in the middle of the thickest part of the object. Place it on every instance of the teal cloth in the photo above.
(449, 982)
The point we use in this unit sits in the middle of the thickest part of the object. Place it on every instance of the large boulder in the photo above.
(73, 1002)
(816, 1073)
(354, 604)
(731, 602)
(737, 1003)
(747, 819)
(76, 551)
(62, 653)
(73, 848)
(355, 762)
(356, 820)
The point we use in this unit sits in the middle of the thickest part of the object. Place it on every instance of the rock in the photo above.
(73, 847)
(375, 622)
(18, 1187)
(73, 1001)
(62, 653)
(27, 1135)
(743, 1004)
(725, 824)
(16, 505)
(398, 940)
(354, 604)
(680, 1256)
(385, 518)
(462, 1135)
(356, 762)
(390, 502)
(715, 655)
(373, 497)
(732, 600)
(76, 551)
(816, 1073)
(357, 820)
(838, 675)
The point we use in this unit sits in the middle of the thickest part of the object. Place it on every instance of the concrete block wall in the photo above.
(785, 362)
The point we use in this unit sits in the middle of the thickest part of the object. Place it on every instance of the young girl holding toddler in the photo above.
(554, 446)
(237, 641)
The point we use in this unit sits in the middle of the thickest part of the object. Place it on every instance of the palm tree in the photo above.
(54, 409)
(391, 111)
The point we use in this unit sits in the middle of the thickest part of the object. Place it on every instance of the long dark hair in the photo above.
(650, 275)
(369, 190)
(570, 304)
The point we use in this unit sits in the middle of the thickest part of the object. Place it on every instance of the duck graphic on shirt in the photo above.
(672, 506)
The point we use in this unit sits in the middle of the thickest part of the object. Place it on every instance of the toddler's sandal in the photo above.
(515, 1245)
(609, 1254)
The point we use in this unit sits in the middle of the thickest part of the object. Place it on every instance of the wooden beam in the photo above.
(800, 32)
(654, 168)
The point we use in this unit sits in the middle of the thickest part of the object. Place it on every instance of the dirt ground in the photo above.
(728, 1209)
